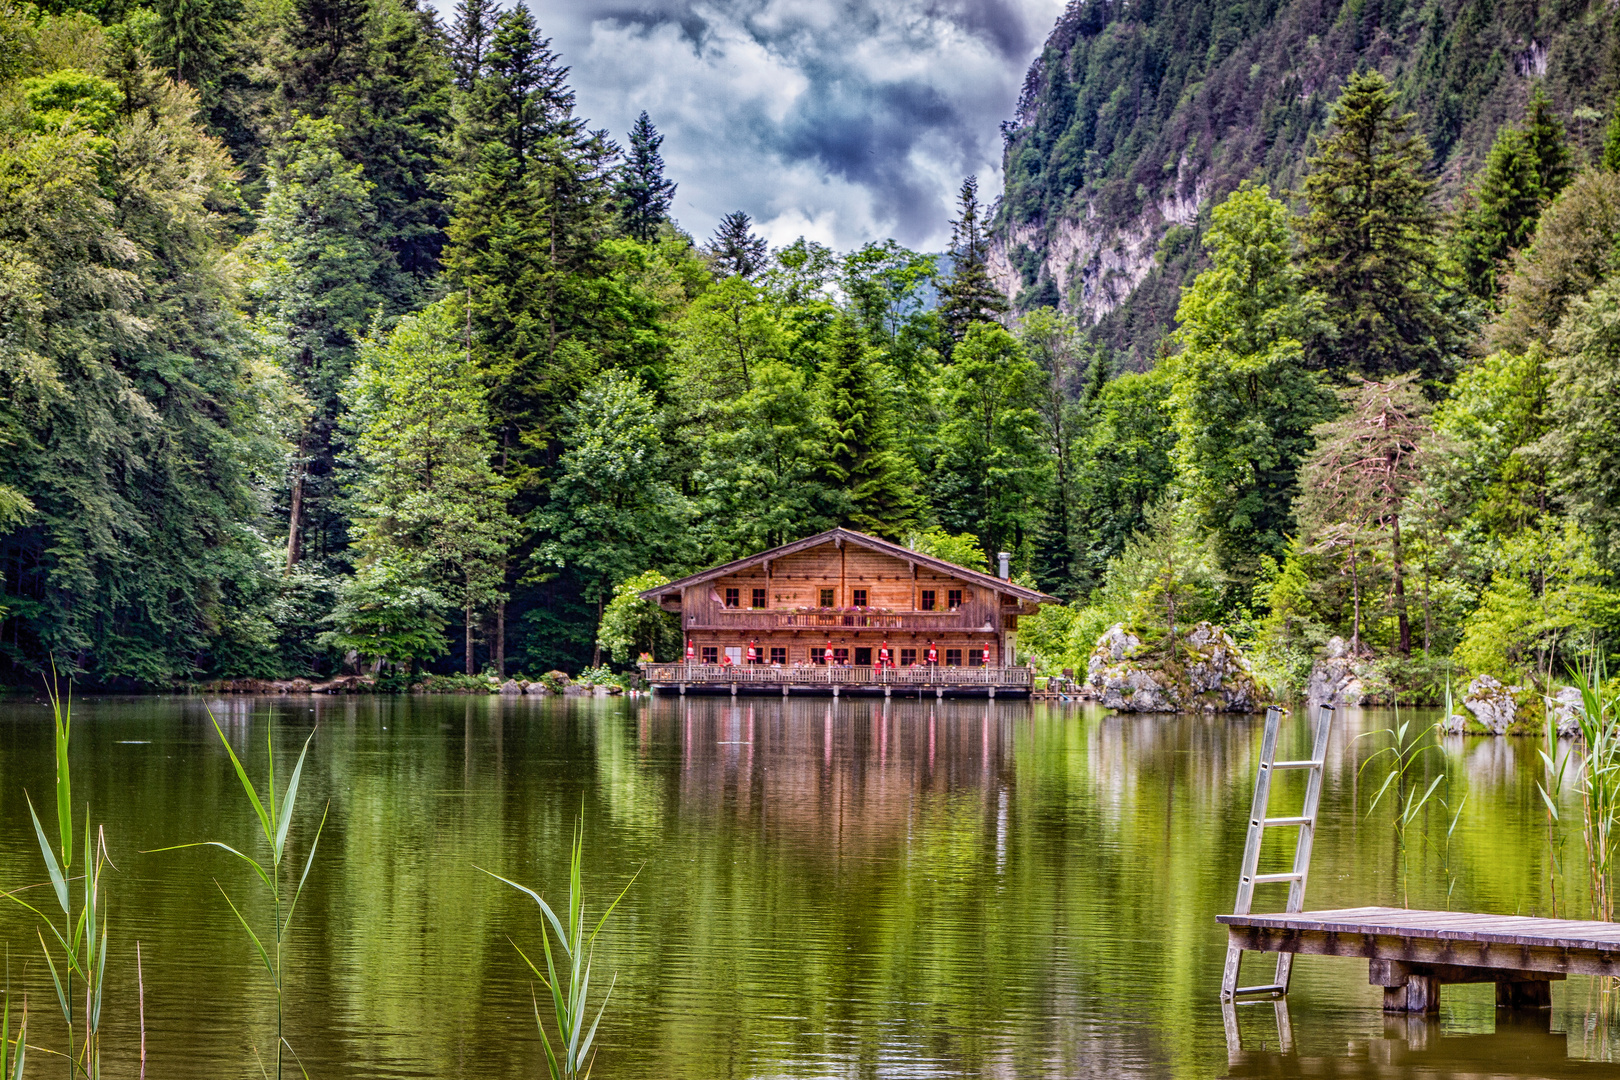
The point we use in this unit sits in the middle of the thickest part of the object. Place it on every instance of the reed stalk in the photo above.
(1599, 748)
(1400, 757)
(571, 1056)
(13, 1052)
(275, 819)
(77, 948)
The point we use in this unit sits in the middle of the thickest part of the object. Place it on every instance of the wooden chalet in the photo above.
(844, 610)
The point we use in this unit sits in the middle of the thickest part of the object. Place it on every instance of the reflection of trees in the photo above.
(830, 888)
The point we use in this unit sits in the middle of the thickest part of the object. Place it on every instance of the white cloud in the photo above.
(843, 120)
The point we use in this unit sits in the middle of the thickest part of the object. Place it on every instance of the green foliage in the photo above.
(963, 550)
(631, 625)
(1168, 577)
(990, 475)
(1368, 244)
(735, 251)
(1584, 407)
(612, 510)
(1573, 251)
(878, 483)
(1244, 403)
(1546, 589)
(429, 511)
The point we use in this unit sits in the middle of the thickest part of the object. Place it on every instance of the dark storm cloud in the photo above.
(846, 121)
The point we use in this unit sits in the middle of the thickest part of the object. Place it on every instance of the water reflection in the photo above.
(850, 888)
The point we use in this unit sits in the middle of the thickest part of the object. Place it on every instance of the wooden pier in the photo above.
(1411, 954)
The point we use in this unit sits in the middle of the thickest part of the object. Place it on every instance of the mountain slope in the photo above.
(1139, 113)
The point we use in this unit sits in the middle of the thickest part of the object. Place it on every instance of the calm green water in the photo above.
(827, 889)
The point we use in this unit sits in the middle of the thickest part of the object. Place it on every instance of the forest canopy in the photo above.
(333, 338)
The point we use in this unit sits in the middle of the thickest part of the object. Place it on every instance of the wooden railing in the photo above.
(820, 675)
(756, 619)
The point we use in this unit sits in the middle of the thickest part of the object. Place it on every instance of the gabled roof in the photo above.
(859, 539)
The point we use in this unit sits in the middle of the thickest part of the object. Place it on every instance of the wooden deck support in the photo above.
(1411, 954)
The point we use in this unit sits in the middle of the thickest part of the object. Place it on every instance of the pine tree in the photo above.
(970, 296)
(1368, 244)
(644, 194)
(531, 201)
(861, 456)
(1545, 134)
(1526, 169)
(734, 249)
(470, 35)
(1611, 140)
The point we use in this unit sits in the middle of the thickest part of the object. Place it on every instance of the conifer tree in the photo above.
(861, 456)
(1526, 169)
(316, 284)
(644, 194)
(734, 249)
(470, 34)
(532, 200)
(1368, 244)
(969, 296)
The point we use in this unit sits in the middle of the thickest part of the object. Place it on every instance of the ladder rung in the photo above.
(1271, 879)
(1296, 764)
(1269, 988)
(1270, 821)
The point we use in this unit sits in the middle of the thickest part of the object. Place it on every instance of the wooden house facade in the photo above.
(873, 605)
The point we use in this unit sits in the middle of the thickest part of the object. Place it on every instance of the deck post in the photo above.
(784, 689)
(733, 689)
(683, 689)
(887, 690)
(939, 693)
(992, 693)
(835, 691)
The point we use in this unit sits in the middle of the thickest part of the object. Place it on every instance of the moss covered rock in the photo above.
(1202, 670)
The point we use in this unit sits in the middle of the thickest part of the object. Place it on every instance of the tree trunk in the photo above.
(500, 640)
(469, 623)
(293, 515)
(596, 648)
(1399, 569)
(1355, 589)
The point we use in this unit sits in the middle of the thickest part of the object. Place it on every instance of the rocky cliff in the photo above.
(1137, 114)
(1205, 672)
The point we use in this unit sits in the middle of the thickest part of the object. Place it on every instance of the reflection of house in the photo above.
(854, 596)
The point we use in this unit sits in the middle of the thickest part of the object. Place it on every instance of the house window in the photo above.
(711, 654)
(733, 598)
(953, 599)
(759, 598)
(841, 657)
(778, 654)
(953, 657)
(975, 658)
(908, 657)
(826, 598)
(859, 598)
(927, 600)
(863, 657)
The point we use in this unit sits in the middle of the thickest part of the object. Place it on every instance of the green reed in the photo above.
(79, 946)
(1401, 757)
(1599, 750)
(571, 1057)
(13, 1052)
(275, 818)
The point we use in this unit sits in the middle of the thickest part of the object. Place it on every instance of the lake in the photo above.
(846, 888)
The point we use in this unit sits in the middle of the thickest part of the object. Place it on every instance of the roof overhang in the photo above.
(1024, 596)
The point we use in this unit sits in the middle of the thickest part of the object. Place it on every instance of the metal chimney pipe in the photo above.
(1004, 558)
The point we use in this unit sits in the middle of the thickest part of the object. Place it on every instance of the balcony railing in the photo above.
(822, 675)
(757, 619)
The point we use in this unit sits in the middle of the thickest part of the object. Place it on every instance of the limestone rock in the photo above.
(1210, 673)
(1455, 724)
(511, 686)
(1491, 703)
(1567, 710)
(1335, 679)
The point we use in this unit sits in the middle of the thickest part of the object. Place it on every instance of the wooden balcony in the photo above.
(1014, 681)
(833, 619)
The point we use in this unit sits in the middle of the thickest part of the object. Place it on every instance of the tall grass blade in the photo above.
(247, 784)
(291, 798)
(58, 881)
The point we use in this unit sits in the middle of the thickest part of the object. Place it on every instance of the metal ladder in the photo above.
(1258, 823)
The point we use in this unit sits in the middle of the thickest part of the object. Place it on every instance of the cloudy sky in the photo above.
(840, 120)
